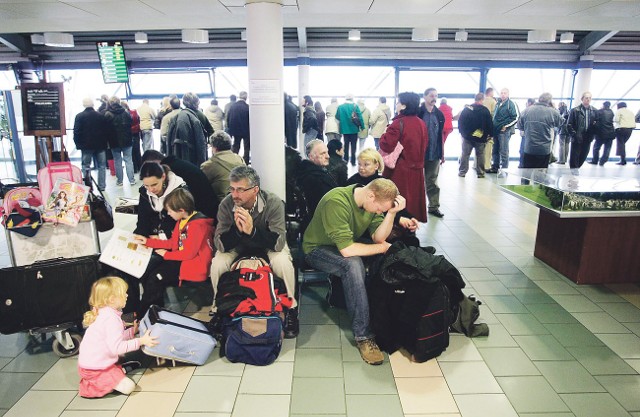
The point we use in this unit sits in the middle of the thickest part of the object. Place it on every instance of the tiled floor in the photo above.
(555, 349)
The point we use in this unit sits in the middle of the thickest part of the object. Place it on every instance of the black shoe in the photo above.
(291, 325)
(130, 366)
(621, 163)
(215, 325)
(429, 249)
(491, 171)
(593, 162)
(437, 213)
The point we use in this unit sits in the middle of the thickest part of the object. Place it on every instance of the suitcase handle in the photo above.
(154, 317)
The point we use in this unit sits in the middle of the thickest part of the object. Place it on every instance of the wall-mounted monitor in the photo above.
(113, 62)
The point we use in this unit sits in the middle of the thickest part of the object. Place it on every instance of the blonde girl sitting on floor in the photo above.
(106, 339)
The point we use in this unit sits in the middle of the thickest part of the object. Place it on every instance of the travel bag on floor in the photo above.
(180, 338)
(255, 340)
(47, 293)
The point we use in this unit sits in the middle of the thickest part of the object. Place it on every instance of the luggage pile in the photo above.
(252, 302)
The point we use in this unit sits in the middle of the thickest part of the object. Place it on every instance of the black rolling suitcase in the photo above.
(46, 294)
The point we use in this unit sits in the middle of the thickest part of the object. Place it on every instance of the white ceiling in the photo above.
(27, 16)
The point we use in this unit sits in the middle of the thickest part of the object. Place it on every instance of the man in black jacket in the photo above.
(89, 136)
(313, 178)
(434, 156)
(290, 121)
(238, 124)
(581, 127)
(605, 133)
(186, 136)
(475, 126)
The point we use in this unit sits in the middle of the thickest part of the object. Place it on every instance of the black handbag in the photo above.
(355, 119)
(101, 210)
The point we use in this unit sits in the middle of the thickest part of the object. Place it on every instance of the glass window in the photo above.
(7, 80)
(446, 82)
(179, 82)
(615, 84)
(524, 83)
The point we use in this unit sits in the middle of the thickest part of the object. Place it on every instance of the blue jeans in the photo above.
(118, 155)
(101, 160)
(352, 273)
(309, 136)
(147, 140)
(500, 152)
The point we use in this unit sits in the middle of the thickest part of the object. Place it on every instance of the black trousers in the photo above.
(350, 140)
(155, 281)
(605, 153)
(534, 161)
(579, 150)
(622, 136)
(247, 147)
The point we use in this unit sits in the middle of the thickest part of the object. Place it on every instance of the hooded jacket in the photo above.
(192, 245)
(152, 217)
(314, 181)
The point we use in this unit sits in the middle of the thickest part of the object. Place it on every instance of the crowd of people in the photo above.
(199, 213)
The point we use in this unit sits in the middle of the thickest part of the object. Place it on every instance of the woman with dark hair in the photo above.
(309, 120)
(410, 131)
(320, 115)
(157, 182)
(337, 167)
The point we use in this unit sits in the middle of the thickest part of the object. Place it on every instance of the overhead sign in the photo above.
(113, 62)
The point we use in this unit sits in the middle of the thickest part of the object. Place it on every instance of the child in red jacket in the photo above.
(186, 257)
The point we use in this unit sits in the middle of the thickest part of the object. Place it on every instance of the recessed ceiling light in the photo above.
(141, 37)
(354, 35)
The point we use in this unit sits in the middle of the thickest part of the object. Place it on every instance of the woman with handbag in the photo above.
(411, 133)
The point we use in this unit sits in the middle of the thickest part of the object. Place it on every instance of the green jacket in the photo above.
(343, 116)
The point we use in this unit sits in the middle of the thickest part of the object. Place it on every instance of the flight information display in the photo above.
(113, 62)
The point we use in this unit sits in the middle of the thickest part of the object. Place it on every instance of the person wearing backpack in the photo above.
(350, 122)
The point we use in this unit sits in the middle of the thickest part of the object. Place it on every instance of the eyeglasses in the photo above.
(239, 190)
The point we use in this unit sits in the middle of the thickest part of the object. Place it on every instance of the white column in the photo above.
(303, 90)
(265, 58)
(583, 78)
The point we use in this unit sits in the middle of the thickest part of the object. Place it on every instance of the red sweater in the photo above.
(197, 247)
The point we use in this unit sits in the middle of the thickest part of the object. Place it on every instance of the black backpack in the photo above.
(432, 333)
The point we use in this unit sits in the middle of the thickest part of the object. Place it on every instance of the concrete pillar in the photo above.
(583, 78)
(265, 58)
(303, 90)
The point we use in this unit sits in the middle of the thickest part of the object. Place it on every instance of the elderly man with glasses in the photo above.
(251, 221)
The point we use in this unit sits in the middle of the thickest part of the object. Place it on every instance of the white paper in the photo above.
(127, 255)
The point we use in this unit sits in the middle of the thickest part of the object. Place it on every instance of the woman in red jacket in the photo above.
(186, 255)
(408, 129)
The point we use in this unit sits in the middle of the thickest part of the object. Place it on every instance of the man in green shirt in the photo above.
(330, 244)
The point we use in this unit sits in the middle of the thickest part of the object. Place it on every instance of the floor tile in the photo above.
(573, 335)
(14, 385)
(557, 288)
(504, 304)
(568, 377)
(113, 401)
(374, 406)
(494, 287)
(634, 363)
(210, 393)
(624, 388)
(551, 313)
(483, 405)
(288, 351)
(477, 274)
(521, 324)
(4, 362)
(425, 396)
(576, 303)
(623, 312)
(61, 376)
(166, 379)
(318, 314)
(202, 415)
(26, 362)
(529, 296)
(318, 396)
(531, 394)
(592, 405)
(41, 404)
(216, 365)
(539, 273)
(503, 268)
(469, 378)
(600, 360)
(633, 327)
(508, 362)
(318, 336)
(261, 405)
(461, 348)
(600, 322)
(362, 378)
(600, 294)
(156, 404)
(13, 344)
(543, 348)
(318, 363)
(267, 380)
(402, 366)
(498, 337)
(517, 280)
(625, 345)
(84, 413)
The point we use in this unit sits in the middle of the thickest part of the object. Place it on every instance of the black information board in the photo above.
(43, 109)
(113, 62)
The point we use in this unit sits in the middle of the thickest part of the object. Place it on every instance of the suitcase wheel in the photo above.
(64, 352)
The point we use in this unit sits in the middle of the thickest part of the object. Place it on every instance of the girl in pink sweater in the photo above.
(106, 339)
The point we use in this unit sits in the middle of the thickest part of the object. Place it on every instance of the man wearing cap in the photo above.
(89, 136)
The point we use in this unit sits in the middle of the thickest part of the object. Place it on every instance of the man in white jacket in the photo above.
(379, 120)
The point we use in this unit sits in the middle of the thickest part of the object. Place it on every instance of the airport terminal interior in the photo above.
(556, 348)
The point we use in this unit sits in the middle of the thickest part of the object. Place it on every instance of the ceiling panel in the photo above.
(195, 8)
(626, 8)
(408, 6)
(338, 7)
(559, 7)
(125, 8)
(481, 7)
(50, 10)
